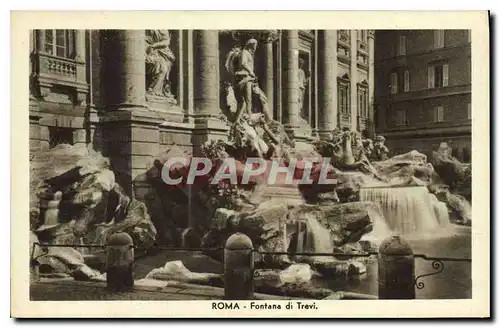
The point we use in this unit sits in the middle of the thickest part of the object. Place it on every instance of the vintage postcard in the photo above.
(250, 164)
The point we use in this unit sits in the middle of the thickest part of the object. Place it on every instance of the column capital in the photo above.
(269, 36)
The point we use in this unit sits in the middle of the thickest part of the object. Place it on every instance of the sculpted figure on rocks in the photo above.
(380, 151)
(347, 150)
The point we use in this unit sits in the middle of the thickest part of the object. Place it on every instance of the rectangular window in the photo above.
(438, 114)
(438, 39)
(60, 43)
(343, 95)
(400, 117)
(407, 81)
(49, 42)
(469, 113)
(402, 45)
(437, 76)
(363, 102)
(394, 83)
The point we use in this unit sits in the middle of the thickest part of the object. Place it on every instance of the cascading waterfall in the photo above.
(409, 210)
(440, 210)
(318, 239)
(380, 228)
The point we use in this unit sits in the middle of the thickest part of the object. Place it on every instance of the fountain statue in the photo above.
(380, 151)
(159, 61)
(303, 83)
(453, 173)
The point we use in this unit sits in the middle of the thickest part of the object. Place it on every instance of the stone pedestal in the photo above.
(327, 79)
(131, 139)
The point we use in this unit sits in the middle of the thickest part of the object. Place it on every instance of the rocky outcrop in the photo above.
(91, 205)
(266, 226)
(68, 261)
(347, 222)
(294, 281)
(274, 226)
(457, 175)
(176, 271)
(458, 206)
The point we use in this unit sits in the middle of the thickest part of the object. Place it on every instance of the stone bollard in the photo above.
(396, 270)
(120, 262)
(238, 268)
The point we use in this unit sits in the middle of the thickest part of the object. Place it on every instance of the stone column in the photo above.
(290, 48)
(206, 71)
(40, 40)
(327, 82)
(206, 88)
(80, 45)
(124, 69)
(81, 68)
(371, 81)
(188, 80)
(267, 65)
(354, 80)
(129, 131)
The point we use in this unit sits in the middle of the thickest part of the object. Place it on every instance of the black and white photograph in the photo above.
(259, 169)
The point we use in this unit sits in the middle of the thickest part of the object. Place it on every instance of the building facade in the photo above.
(115, 90)
(423, 90)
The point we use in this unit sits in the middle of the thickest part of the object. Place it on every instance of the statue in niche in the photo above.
(252, 118)
(159, 61)
(240, 64)
(303, 82)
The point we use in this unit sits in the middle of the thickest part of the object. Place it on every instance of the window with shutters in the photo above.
(60, 43)
(438, 39)
(402, 45)
(394, 83)
(438, 115)
(401, 118)
(406, 85)
(437, 76)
